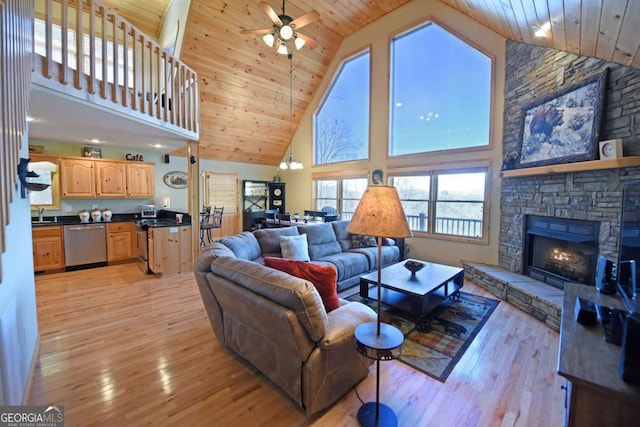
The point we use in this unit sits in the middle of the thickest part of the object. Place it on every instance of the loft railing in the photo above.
(85, 49)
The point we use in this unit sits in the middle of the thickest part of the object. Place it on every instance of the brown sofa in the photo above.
(278, 323)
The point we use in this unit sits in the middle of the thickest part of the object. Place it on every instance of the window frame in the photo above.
(492, 101)
(339, 177)
(327, 91)
(449, 168)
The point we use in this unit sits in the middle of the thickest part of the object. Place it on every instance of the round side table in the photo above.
(378, 342)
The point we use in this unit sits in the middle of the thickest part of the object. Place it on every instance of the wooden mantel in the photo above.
(622, 162)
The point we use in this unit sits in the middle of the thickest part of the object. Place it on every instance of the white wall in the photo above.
(18, 279)
(377, 36)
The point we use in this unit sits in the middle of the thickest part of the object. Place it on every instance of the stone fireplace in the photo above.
(559, 250)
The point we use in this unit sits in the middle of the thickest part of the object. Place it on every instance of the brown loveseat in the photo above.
(278, 323)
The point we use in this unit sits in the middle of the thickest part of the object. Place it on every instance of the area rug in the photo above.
(454, 325)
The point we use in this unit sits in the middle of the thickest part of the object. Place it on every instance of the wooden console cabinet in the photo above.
(596, 396)
(48, 248)
(170, 250)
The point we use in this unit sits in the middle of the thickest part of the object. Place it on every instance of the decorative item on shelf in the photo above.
(413, 267)
(610, 149)
(94, 152)
(379, 213)
(176, 179)
(36, 149)
(84, 216)
(96, 215)
(107, 215)
(561, 127)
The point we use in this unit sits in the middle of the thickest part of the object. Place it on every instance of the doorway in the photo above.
(221, 189)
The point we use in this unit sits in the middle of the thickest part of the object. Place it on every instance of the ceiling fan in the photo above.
(283, 36)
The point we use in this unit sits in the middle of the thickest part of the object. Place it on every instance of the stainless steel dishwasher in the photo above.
(85, 245)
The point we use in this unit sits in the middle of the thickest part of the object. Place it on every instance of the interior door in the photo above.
(221, 189)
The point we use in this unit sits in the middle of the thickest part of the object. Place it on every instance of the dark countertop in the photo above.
(164, 219)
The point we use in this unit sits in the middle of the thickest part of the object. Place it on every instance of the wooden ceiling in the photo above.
(244, 86)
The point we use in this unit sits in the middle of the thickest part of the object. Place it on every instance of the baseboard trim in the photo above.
(32, 370)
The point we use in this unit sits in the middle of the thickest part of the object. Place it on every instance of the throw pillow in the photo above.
(295, 247)
(323, 277)
(358, 241)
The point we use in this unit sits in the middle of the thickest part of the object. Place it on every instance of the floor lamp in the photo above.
(380, 214)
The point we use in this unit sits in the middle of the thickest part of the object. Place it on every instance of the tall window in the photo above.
(341, 194)
(445, 203)
(440, 93)
(341, 124)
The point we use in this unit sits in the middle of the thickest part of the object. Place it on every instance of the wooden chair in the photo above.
(270, 218)
(283, 220)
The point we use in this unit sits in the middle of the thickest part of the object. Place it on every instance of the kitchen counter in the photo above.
(166, 220)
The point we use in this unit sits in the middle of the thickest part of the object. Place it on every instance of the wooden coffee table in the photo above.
(419, 294)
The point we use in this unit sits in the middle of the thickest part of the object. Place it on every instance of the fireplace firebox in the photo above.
(560, 250)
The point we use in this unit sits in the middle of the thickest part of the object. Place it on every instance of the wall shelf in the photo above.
(622, 162)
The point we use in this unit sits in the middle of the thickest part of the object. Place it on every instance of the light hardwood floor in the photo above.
(119, 347)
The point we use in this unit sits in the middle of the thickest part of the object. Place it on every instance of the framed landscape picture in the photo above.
(562, 127)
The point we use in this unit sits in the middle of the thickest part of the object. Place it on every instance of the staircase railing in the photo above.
(85, 49)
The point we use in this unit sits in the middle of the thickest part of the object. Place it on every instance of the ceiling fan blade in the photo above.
(271, 13)
(305, 19)
(265, 31)
(308, 41)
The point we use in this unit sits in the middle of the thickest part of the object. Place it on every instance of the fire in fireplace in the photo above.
(559, 250)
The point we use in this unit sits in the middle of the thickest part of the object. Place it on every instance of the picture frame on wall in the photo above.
(563, 126)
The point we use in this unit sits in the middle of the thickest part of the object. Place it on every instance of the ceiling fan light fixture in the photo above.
(299, 42)
(269, 39)
(286, 32)
(283, 165)
(282, 49)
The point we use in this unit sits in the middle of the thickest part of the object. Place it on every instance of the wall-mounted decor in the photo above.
(377, 177)
(562, 127)
(176, 179)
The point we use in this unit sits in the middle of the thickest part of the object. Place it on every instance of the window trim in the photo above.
(337, 176)
(327, 90)
(492, 89)
(482, 165)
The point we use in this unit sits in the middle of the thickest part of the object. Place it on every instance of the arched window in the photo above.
(341, 124)
(440, 92)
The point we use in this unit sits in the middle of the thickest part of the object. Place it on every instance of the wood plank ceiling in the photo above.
(244, 86)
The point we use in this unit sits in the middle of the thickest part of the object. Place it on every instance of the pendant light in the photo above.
(291, 162)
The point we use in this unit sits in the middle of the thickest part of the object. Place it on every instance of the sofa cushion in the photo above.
(342, 235)
(322, 240)
(323, 277)
(295, 247)
(243, 245)
(269, 239)
(348, 264)
(358, 241)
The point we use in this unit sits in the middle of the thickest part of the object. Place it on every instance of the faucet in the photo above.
(40, 212)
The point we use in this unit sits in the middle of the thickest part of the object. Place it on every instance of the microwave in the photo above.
(147, 211)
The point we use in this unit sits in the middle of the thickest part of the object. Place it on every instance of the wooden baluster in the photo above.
(92, 48)
(103, 37)
(48, 42)
(134, 56)
(77, 75)
(65, 42)
(125, 63)
(113, 19)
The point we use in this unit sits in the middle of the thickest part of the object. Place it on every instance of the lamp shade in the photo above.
(380, 214)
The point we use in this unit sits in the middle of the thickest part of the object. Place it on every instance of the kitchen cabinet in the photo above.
(110, 179)
(121, 243)
(170, 250)
(48, 248)
(78, 178)
(140, 180)
(99, 178)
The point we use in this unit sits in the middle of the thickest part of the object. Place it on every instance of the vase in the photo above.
(84, 216)
(96, 215)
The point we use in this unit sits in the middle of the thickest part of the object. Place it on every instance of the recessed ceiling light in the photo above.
(157, 145)
(94, 141)
(30, 119)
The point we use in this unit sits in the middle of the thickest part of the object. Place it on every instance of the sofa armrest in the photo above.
(343, 322)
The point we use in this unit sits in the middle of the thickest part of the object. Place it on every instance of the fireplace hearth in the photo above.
(560, 250)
